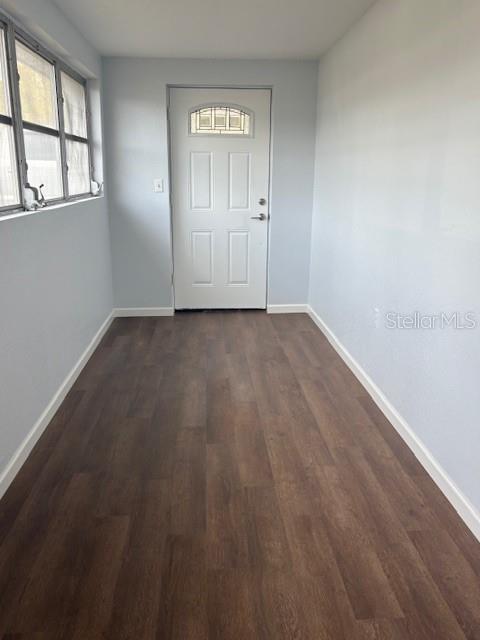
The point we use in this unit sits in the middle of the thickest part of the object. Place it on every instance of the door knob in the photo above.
(261, 216)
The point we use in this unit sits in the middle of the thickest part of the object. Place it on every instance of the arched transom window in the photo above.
(220, 120)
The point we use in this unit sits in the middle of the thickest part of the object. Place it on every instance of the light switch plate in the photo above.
(158, 186)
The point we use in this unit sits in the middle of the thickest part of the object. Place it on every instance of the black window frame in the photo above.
(14, 33)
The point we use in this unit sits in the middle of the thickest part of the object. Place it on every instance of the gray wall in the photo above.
(55, 274)
(396, 223)
(136, 148)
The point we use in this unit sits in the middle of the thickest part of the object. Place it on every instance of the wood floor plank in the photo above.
(326, 607)
(227, 523)
(380, 630)
(427, 613)
(267, 540)
(368, 587)
(282, 606)
(454, 577)
(136, 592)
(250, 447)
(93, 601)
(183, 600)
(45, 597)
(223, 475)
(233, 606)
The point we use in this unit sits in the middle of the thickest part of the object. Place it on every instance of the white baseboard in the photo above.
(457, 499)
(287, 308)
(23, 451)
(137, 312)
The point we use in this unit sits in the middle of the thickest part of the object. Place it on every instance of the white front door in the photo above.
(220, 149)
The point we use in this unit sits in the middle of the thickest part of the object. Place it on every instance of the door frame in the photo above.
(169, 88)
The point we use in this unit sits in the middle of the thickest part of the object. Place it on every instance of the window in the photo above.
(41, 131)
(9, 183)
(75, 117)
(44, 141)
(220, 119)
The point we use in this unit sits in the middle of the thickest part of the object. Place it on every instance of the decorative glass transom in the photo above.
(220, 120)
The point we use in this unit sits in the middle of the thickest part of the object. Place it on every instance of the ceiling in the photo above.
(243, 29)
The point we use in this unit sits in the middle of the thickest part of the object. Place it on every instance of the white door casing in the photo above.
(220, 189)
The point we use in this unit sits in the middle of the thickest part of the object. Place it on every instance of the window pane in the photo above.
(37, 88)
(78, 168)
(220, 120)
(9, 195)
(205, 119)
(4, 93)
(44, 165)
(74, 106)
(235, 119)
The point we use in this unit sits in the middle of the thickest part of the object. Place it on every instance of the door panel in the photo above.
(238, 257)
(202, 257)
(219, 175)
(201, 180)
(239, 180)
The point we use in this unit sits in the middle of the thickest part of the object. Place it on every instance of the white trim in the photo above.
(23, 451)
(288, 308)
(141, 312)
(457, 499)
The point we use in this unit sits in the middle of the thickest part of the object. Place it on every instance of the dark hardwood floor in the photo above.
(224, 476)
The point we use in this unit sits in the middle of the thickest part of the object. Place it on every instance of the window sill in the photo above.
(52, 207)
